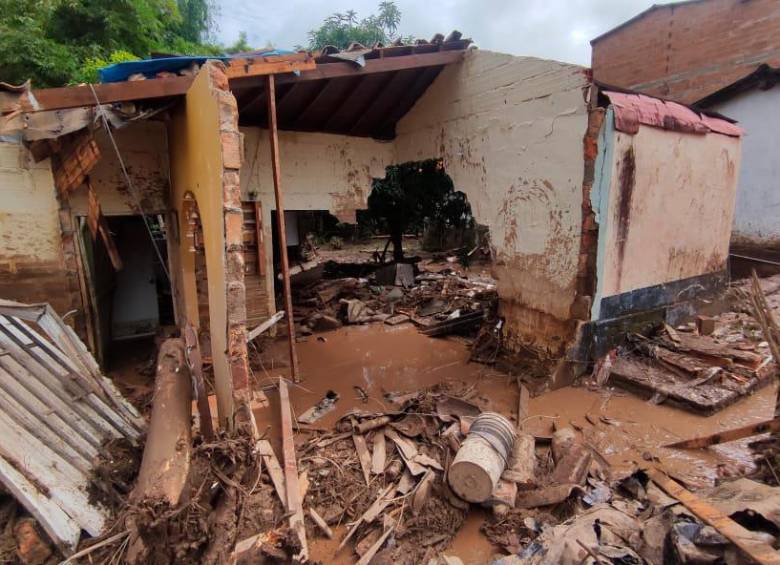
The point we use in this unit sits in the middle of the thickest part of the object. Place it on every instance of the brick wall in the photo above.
(690, 50)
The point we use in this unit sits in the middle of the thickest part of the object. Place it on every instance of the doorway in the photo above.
(130, 305)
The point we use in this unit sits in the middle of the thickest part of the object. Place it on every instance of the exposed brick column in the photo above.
(234, 219)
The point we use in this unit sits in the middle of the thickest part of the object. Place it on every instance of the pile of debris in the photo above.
(438, 302)
(697, 372)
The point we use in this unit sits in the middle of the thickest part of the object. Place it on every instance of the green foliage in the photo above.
(240, 46)
(88, 72)
(55, 42)
(26, 52)
(415, 194)
(341, 29)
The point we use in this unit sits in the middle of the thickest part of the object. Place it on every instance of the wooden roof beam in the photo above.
(126, 91)
(345, 69)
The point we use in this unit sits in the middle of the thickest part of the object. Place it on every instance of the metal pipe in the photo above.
(273, 134)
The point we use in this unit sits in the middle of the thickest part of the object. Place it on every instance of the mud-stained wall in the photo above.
(144, 149)
(668, 211)
(510, 130)
(319, 172)
(197, 168)
(32, 267)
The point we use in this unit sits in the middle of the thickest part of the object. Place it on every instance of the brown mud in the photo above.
(623, 428)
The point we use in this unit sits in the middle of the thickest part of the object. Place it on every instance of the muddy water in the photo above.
(622, 427)
(625, 429)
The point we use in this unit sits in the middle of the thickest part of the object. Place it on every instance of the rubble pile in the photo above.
(439, 301)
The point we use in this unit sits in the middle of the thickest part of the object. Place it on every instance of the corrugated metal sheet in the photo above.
(631, 110)
(56, 412)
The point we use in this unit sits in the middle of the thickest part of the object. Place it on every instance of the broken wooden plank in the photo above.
(265, 450)
(573, 467)
(364, 457)
(294, 506)
(423, 491)
(728, 435)
(195, 364)
(523, 401)
(265, 326)
(744, 539)
(371, 513)
(368, 425)
(379, 454)
(321, 523)
(369, 555)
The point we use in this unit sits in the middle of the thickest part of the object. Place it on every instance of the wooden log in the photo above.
(728, 435)
(744, 539)
(166, 461)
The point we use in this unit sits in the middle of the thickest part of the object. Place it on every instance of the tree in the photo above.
(54, 42)
(342, 29)
(413, 194)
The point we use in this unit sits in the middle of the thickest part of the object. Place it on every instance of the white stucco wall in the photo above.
(667, 211)
(757, 215)
(510, 130)
(319, 172)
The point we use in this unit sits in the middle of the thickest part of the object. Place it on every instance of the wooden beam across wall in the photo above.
(126, 91)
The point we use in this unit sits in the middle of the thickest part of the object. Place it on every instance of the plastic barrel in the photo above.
(482, 457)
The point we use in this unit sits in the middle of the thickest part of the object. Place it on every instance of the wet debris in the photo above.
(700, 373)
(439, 303)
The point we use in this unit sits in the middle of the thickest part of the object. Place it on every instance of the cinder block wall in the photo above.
(689, 50)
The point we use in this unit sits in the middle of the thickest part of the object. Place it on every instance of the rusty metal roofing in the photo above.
(631, 110)
(359, 91)
(56, 412)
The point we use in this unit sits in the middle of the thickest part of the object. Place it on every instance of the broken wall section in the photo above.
(510, 131)
(32, 262)
(318, 172)
(205, 153)
(664, 202)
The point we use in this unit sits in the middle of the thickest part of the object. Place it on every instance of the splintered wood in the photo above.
(698, 372)
(744, 539)
(294, 505)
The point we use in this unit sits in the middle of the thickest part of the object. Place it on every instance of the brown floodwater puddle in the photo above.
(380, 359)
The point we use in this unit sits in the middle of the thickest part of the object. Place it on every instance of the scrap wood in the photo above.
(379, 453)
(268, 456)
(368, 425)
(265, 326)
(423, 491)
(546, 496)
(763, 315)
(772, 425)
(370, 514)
(321, 524)
(293, 506)
(195, 364)
(369, 555)
(364, 457)
(744, 539)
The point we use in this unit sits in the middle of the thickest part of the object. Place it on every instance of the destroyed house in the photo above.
(134, 204)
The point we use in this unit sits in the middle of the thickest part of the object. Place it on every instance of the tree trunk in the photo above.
(396, 235)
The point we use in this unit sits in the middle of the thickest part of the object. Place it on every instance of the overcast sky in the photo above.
(553, 29)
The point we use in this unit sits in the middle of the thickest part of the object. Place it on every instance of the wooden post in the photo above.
(273, 134)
